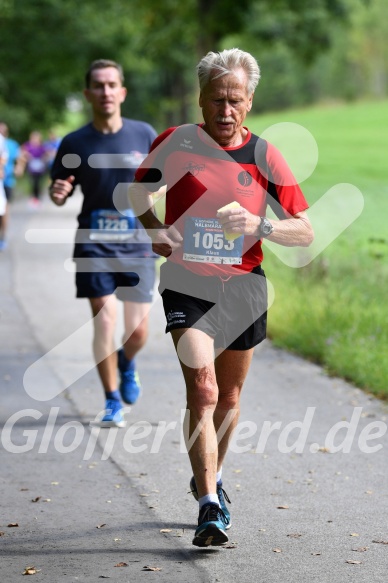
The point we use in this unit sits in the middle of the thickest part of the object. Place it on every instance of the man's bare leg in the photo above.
(136, 317)
(202, 395)
(104, 310)
(231, 370)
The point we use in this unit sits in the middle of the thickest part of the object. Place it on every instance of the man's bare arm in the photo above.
(292, 232)
(165, 238)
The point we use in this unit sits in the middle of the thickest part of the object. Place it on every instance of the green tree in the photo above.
(46, 46)
(368, 47)
(356, 65)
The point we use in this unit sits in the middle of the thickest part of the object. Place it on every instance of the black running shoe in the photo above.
(211, 527)
(222, 496)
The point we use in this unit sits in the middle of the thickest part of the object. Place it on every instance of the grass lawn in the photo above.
(334, 310)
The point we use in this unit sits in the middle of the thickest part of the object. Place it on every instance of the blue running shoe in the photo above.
(113, 414)
(222, 496)
(211, 527)
(130, 387)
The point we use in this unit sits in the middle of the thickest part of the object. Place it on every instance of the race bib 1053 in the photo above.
(204, 242)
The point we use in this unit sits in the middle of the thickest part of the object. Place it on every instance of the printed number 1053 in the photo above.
(212, 241)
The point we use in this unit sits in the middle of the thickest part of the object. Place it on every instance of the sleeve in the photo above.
(285, 196)
(150, 172)
(153, 134)
(58, 170)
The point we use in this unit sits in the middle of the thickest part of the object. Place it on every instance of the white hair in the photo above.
(215, 65)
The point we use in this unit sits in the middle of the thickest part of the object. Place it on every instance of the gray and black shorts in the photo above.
(233, 310)
(131, 279)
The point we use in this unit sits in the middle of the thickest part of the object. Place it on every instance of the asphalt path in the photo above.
(307, 471)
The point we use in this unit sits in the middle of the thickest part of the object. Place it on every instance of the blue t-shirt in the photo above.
(103, 166)
(13, 150)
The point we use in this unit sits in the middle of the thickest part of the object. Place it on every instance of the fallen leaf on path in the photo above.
(146, 568)
(380, 542)
(294, 535)
(101, 525)
(354, 562)
(233, 546)
(121, 565)
(354, 534)
(277, 550)
(31, 571)
(55, 483)
(316, 554)
(2, 533)
(361, 549)
(12, 524)
(283, 507)
(36, 499)
(165, 530)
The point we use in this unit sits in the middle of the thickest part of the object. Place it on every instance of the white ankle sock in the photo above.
(213, 498)
(219, 476)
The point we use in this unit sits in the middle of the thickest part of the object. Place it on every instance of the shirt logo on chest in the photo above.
(186, 144)
(244, 178)
(194, 168)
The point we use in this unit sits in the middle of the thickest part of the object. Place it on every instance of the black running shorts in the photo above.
(233, 311)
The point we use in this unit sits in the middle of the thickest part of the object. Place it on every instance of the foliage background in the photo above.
(309, 50)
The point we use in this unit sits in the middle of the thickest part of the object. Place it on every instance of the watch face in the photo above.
(266, 227)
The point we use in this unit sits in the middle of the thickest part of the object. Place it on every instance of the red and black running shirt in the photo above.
(202, 177)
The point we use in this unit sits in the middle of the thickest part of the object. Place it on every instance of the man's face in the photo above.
(225, 103)
(105, 92)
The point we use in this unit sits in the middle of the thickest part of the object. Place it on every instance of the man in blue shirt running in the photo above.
(112, 252)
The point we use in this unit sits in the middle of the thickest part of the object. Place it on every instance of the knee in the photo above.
(104, 323)
(202, 396)
(139, 335)
(229, 399)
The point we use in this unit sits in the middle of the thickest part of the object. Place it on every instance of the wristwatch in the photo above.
(265, 227)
